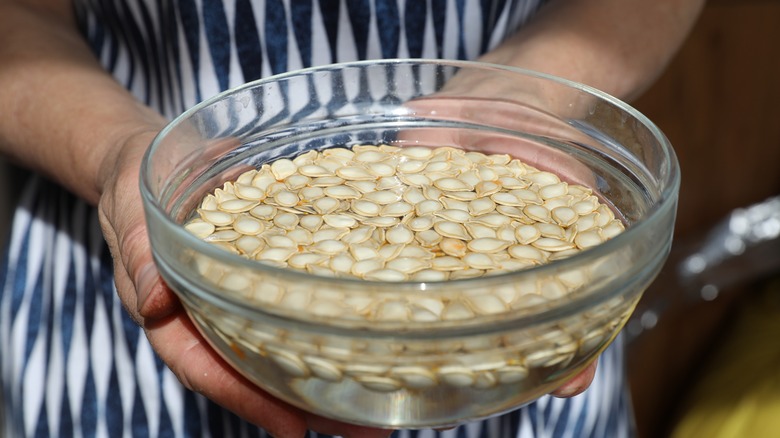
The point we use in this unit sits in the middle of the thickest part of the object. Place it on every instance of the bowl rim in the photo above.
(667, 196)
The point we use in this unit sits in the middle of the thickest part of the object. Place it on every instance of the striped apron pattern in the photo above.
(72, 363)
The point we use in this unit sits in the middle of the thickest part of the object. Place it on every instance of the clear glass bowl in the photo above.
(278, 326)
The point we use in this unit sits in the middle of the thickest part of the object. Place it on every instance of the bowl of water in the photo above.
(410, 243)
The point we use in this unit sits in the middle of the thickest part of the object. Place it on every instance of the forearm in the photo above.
(63, 115)
(618, 46)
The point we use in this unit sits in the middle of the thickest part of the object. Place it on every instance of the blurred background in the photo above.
(710, 365)
(701, 355)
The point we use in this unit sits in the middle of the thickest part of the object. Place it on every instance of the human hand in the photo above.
(169, 330)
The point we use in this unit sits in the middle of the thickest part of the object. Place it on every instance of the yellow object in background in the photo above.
(738, 395)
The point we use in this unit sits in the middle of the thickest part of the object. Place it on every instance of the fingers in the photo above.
(578, 384)
(200, 369)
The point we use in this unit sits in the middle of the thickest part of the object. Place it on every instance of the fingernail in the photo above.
(144, 282)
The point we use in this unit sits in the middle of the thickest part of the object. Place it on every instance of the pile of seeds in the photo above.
(388, 213)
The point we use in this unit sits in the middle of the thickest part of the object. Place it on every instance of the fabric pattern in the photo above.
(72, 363)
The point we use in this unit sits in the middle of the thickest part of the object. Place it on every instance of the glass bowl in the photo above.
(318, 341)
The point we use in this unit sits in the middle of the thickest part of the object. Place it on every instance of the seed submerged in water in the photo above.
(452, 202)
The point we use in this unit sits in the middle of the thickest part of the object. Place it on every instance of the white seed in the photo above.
(399, 234)
(286, 221)
(303, 260)
(538, 213)
(216, 218)
(479, 231)
(326, 181)
(454, 204)
(329, 247)
(286, 198)
(288, 362)
(457, 376)
(453, 247)
(249, 245)
(390, 251)
(528, 196)
(341, 192)
(586, 206)
(481, 206)
(326, 205)
(451, 229)
(420, 223)
(486, 188)
(542, 178)
(407, 265)
(362, 186)
(248, 225)
(366, 208)
(454, 215)
(363, 252)
(527, 252)
(381, 169)
(263, 179)
(355, 173)
(396, 209)
(464, 196)
(323, 368)
(382, 197)
(552, 244)
(480, 261)
(452, 185)
(341, 263)
(280, 241)
(379, 383)
(466, 273)
(381, 222)
(525, 234)
(339, 220)
(314, 171)
(588, 239)
(551, 230)
(564, 216)
(512, 183)
(363, 267)
(429, 206)
(447, 263)
(226, 235)
(429, 275)
(412, 166)
(428, 238)
(493, 220)
(370, 156)
(358, 235)
(488, 245)
(275, 254)
(200, 228)
(553, 190)
(296, 182)
(264, 212)
(415, 377)
(612, 229)
(311, 222)
(282, 168)
(416, 152)
(392, 311)
(506, 198)
(487, 304)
